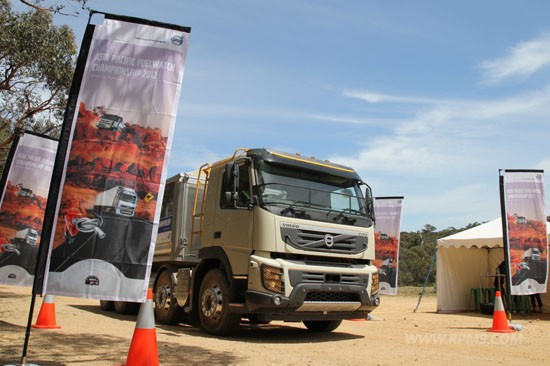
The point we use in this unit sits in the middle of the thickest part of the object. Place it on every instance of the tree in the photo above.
(55, 6)
(37, 61)
(416, 251)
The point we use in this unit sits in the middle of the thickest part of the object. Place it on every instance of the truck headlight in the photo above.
(272, 278)
(374, 285)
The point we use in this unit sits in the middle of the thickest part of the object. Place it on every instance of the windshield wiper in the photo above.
(292, 208)
(342, 215)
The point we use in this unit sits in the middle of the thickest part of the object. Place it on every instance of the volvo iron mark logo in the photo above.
(177, 40)
(91, 281)
(329, 240)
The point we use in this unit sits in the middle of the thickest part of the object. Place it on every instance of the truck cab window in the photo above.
(168, 201)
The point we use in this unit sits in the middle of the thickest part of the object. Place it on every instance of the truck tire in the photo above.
(322, 325)
(253, 319)
(125, 307)
(167, 310)
(106, 305)
(214, 313)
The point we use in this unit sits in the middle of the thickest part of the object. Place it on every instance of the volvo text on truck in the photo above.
(263, 236)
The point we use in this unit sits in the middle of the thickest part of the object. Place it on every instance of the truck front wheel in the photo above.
(167, 310)
(322, 325)
(214, 313)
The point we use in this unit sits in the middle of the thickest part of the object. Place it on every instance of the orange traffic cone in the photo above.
(500, 323)
(143, 349)
(46, 316)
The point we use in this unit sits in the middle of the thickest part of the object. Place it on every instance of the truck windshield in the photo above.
(289, 191)
(126, 197)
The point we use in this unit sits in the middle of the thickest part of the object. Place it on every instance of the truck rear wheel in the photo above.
(106, 305)
(167, 310)
(214, 313)
(322, 325)
(125, 307)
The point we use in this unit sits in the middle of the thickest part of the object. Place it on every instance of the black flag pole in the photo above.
(505, 242)
(3, 183)
(48, 231)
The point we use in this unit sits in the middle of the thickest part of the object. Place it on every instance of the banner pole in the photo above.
(505, 244)
(28, 330)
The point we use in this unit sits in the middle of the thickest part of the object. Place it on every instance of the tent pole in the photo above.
(426, 281)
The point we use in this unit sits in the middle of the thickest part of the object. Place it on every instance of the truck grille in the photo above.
(126, 212)
(332, 297)
(324, 241)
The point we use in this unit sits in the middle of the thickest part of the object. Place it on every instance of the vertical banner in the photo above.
(25, 187)
(386, 237)
(526, 236)
(115, 166)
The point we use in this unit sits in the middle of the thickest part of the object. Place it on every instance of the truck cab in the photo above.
(27, 236)
(111, 122)
(117, 200)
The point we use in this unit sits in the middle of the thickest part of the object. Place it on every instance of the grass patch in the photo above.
(415, 291)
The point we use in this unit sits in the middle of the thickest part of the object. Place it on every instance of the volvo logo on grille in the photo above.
(329, 240)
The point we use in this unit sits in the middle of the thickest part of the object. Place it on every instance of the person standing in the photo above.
(536, 300)
(500, 280)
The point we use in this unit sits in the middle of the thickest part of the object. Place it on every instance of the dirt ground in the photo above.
(395, 336)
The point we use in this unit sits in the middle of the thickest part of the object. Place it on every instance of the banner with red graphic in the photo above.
(113, 172)
(25, 186)
(526, 243)
(386, 237)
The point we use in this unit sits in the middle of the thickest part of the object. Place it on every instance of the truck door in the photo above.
(234, 221)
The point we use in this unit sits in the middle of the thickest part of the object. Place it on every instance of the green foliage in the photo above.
(37, 62)
(416, 251)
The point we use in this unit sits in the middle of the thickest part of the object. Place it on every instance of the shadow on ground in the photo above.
(251, 333)
(276, 333)
(13, 295)
(55, 349)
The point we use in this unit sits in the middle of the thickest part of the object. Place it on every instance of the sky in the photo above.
(425, 99)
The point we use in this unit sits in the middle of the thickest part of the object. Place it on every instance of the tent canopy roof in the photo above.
(485, 235)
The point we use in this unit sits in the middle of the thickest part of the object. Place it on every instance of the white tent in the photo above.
(467, 260)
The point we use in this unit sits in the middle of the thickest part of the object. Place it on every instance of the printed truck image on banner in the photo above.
(116, 163)
(25, 192)
(526, 231)
(386, 236)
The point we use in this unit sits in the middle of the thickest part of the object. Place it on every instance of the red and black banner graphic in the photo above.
(526, 242)
(118, 132)
(386, 236)
(25, 186)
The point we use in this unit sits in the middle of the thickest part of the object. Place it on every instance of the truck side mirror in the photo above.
(231, 182)
(227, 175)
(231, 176)
(369, 203)
(235, 168)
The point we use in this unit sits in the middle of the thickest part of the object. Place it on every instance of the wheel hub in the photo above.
(212, 303)
(162, 297)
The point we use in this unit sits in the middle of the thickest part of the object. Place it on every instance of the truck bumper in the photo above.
(315, 292)
(296, 307)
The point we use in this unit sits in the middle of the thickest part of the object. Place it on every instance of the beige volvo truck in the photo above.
(263, 236)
